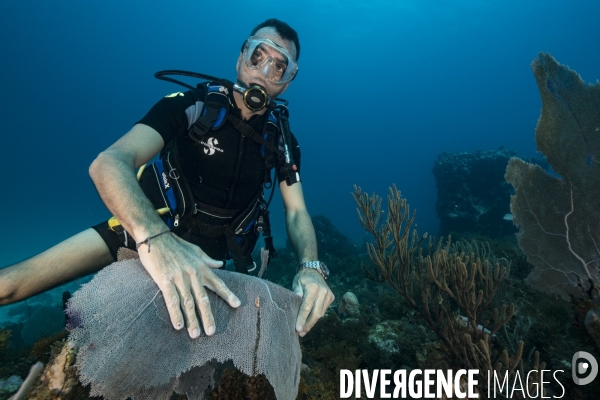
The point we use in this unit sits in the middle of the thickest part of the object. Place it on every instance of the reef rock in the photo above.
(592, 324)
(10, 384)
(472, 193)
(59, 378)
(349, 306)
(385, 337)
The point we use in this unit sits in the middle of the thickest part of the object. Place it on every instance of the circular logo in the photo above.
(590, 365)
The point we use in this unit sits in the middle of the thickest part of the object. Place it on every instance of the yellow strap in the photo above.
(141, 171)
(113, 222)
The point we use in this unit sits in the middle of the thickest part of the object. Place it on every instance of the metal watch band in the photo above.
(314, 265)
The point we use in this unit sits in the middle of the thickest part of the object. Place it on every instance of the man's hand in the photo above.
(316, 298)
(182, 271)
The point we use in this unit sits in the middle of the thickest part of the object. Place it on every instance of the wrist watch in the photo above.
(318, 265)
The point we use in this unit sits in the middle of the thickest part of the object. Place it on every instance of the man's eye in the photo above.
(280, 67)
(257, 57)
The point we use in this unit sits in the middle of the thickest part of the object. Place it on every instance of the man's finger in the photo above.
(315, 314)
(210, 262)
(172, 301)
(188, 305)
(203, 305)
(329, 298)
(216, 284)
(305, 309)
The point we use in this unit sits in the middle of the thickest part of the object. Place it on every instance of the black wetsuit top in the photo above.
(225, 170)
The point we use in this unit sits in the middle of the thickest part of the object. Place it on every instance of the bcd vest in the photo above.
(216, 203)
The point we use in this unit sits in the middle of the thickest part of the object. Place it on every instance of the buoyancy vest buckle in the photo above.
(214, 113)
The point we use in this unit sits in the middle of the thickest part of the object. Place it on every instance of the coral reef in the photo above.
(10, 384)
(34, 372)
(439, 285)
(592, 324)
(332, 345)
(41, 349)
(25, 385)
(59, 380)
(388, 332)
(235, 385)
(385, 336)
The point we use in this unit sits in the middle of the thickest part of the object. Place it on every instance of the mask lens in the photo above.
(258, 56)
(274, 62)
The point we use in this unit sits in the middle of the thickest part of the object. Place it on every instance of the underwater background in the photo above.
(384, 87)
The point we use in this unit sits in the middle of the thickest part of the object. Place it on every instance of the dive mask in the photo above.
(273, 61)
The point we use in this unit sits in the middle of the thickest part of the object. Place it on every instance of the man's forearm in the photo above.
(302, 235)
(114, 176)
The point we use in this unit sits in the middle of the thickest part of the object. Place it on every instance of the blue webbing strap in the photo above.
(167, 187)
(222, 111)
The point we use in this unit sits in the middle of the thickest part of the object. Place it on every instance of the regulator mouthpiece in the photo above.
(255, 97)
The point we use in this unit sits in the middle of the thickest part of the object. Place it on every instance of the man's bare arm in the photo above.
(180, 269)
(308, 283)
(113, 173)
(299, 225)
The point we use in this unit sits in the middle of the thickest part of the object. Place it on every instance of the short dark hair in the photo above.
(283, 30)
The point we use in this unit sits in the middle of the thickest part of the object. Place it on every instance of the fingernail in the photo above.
(299, 328)
(178, 325)
(210, 330)
(236, 302)
(195, 333)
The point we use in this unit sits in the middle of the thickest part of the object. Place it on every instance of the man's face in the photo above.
(247, 76)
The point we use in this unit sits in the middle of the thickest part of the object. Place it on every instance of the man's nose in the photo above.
(266, 66)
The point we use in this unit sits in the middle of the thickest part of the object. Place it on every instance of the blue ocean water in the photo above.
(383, 88)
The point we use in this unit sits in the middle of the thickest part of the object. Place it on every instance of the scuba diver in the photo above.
(202, 202)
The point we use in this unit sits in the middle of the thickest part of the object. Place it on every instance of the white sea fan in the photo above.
(127, 346)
